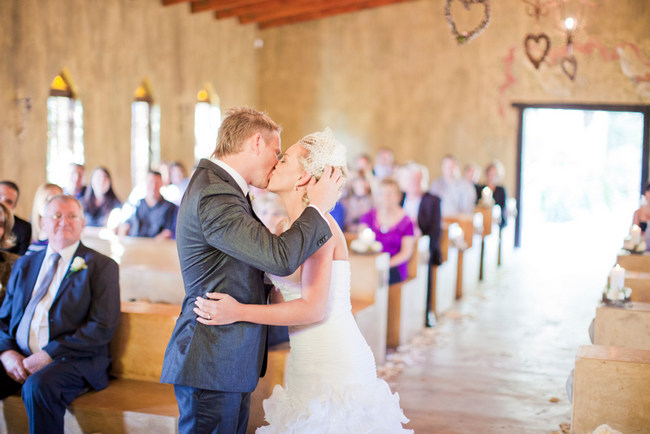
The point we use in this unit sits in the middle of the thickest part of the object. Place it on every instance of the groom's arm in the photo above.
(227, 225)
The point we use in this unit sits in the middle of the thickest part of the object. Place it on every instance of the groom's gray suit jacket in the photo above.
(223, 247)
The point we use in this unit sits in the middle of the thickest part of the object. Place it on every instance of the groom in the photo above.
(223, 247)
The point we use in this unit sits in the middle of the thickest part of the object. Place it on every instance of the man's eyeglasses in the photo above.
(69, 217)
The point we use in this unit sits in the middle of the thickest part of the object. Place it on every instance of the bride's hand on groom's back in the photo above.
(325, 192)
(217, 309)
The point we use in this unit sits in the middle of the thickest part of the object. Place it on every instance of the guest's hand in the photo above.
(221, 309)
(37, 361)
(13, 364)
(326, 192)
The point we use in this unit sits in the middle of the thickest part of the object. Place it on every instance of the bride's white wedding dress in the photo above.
(331, 382)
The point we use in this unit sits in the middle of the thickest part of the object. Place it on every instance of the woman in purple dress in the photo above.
(392, 228)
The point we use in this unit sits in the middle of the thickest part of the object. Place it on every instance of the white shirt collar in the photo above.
(66, 253)
(232, 172)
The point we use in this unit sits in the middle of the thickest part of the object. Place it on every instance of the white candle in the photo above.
(635, 235)
(367, 236)
(617, 277)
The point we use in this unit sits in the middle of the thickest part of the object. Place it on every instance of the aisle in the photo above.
(498, 359)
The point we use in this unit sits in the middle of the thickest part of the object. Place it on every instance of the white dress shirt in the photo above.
(39, 329)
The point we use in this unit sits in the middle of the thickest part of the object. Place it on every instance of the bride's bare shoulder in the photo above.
(338, 240)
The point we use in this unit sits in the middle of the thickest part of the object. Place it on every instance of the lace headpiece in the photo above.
(323, 150)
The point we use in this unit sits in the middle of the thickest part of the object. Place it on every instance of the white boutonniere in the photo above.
(78, 264)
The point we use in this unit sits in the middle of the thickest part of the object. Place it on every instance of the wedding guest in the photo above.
(59, 314)
(472, 174)
(9, 194)
(179, 179)
(392, 228)
(76, 184)
(457, 195)
(271, 211)
(363, 166)
(384, 163)
(357, 202)
(39, 236)
(99, 199)
(493, 176)
(7, 240)
(423, 208)
(642, 215)
(154, 216)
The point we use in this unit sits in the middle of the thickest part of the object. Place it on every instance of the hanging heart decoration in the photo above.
(462, 37)
(537, 48)
(570, 66)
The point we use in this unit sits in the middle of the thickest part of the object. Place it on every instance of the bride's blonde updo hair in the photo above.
(323, 150)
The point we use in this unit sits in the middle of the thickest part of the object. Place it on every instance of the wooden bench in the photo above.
(623, 327)
(407, 300)
(469, 258)
(611, 387)
(135, 401)
(489, 241)
(507, 233)
(634, 262)
(369, 296)
(149, 269)
(639, 283)
(443, 279)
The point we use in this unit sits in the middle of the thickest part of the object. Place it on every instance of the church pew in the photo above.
(135, 401)
(469, 257)
(369, 287)
(443, 279)
(143, 260)
(611, 387)
(634, 262)
(627, 327)
(507, 233)
(489, 241)
(639, 283)
(407, 300)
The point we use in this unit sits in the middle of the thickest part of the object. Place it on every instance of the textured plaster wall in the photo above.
(394, 76)
(109, 47)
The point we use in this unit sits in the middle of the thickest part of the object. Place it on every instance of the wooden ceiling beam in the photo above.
(220, 5)
(278, 9)
(309, 16)
(173, 2)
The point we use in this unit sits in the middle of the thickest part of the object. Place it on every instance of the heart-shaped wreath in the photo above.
(530, 38)
(570, 66)
(462, 37)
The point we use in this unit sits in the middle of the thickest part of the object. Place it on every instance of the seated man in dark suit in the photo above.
(9, 194)
(154, 216)
(424, 210)
(57, 319)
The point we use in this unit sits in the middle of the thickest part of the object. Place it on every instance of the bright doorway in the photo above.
(580, 177)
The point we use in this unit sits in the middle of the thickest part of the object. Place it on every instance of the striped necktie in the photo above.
(22, 334)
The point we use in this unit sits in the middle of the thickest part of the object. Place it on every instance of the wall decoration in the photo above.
(466, 36)
(536, 50)
(569, 66)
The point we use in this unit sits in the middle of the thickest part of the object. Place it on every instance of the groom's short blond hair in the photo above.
(239, 124)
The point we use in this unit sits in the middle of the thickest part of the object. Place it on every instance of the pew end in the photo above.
(611, 387)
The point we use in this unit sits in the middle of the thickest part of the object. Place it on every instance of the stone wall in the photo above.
(109, 47)
(394, 76)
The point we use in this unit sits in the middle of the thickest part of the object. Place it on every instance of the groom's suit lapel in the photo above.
(225, 177)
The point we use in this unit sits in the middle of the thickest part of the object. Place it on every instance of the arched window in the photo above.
(207, 120)
(65, 129)
(145, 134)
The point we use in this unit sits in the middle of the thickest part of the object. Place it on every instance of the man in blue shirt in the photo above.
(154, 217)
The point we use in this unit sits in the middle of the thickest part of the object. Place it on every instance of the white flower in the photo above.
(78, 264)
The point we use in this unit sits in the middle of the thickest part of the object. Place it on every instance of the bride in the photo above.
(331, 382)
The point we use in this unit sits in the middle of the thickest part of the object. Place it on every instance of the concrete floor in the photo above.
(498, 359)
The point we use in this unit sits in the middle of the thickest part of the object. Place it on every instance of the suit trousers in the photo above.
(209, 411)
(46, 394)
